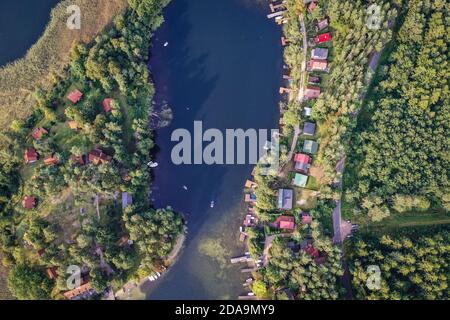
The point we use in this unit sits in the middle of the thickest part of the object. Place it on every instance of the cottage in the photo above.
(31, 155)
(29, 202)
(127, 200)
(107, 107)
(312, 6)
(75, 96)
(302, 162)
(317, 65)
(309, 128)
(319, 53)
(285, 223)
(51, 272)
(322, 24)
(250, 220)
(300, 180)
(310, 146)
(313, 252)
(306, 218)
(312, 92)
(97, 156)
(77, 293)
(51, 160)
(41, 253)
(285, 199)
(323, 38)
(314, 79)
(38, 133)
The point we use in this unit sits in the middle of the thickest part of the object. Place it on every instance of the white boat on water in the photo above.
(152, 164)
(212, 204)
(166, 44)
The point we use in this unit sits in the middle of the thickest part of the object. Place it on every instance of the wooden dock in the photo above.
(241, 259)
(276, 14)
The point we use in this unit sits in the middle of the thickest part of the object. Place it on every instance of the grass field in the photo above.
(50, 55)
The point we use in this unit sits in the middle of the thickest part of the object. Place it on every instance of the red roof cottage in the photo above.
(323, 38)
(84, 289)
(38, 133)
(107, 104)
(306, 218)
(29, 202)
(31, 155)
(316, 64)
(312, 92)
(75, 96)
(302, 162)
(285, 223)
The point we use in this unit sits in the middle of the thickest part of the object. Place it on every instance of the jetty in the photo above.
(241, 259)
(276, 14)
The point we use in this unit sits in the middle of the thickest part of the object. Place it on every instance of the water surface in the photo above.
(222, 66)
(22, 22)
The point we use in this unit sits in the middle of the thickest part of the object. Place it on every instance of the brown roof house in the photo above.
(97, 156)
(31, 155)
(29, 202)
(312, 92)
(51, 160)
(38, 133)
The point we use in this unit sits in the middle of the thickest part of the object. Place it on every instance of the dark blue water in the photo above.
(21, 24)
(222, 66)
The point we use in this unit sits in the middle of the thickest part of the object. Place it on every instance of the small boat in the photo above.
(212, 204)
(152, 164)
(185, 188)
(166, 44)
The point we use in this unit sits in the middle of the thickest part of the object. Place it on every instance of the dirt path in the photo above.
(301, 90)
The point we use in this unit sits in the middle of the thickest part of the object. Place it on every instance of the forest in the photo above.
(413, 265)
(399, 159)
(76, 217)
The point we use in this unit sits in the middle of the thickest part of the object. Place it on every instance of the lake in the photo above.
(22, 22)
(222, 65)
